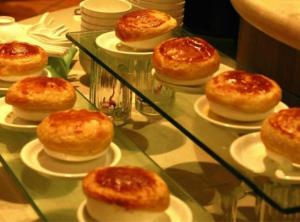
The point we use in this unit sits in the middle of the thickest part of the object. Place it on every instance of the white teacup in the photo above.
(9, 29)
(98, 21)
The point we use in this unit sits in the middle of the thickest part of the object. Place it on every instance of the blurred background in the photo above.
(22, 9)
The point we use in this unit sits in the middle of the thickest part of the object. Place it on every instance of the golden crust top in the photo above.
(244, 91)
(185, 58)
(143, 24)
(187, 49)
(17, 50)
(280, 133)
(129, 187)
(19, 58)
(41, 93)
(287, 122)
(76, 132)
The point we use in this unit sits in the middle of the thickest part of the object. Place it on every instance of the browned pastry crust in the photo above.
(41, 94)
(143, 24)
(128, 187)
(19, 58)
(76, 132)
(243, 91)
(280, 134)
(186, 58)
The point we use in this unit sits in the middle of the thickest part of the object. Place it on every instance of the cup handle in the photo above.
(77, 11)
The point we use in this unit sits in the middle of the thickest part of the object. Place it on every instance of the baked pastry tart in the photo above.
(125, 193)
(280, 134)
(33, 98)
(187, 61)
(242, 96)
(19, 60)
(75, 135)
(144, 29)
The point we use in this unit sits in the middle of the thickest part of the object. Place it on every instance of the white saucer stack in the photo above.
(175, 8)
(100, 15)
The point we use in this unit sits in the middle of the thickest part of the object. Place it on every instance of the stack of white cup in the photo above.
(100, 15)
(175, 8)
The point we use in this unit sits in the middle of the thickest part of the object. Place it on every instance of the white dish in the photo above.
(250, 152)
(105, 8)
(158, 1)
(33, 156)
(193, 89)
(148, 44)
(162, 5)
(186, 89)
(98, 21)
(111, 44)
(175, 13)
(4, 86)
(177, 211)
(96, 26)
(201, 107)
(8, 119)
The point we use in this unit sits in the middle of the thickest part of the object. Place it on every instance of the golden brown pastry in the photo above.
(35, 97)
(19, 60)
(135, 27)
(75, 133)
(185, 61)
(280, 134)
(125, 192)
(242, 96)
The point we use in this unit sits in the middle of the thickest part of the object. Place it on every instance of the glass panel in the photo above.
(57, 199)
(215, 140)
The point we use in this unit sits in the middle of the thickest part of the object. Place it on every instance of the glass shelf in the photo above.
(213, 139)
(57, 199)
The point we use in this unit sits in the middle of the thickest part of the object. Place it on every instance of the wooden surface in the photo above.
(259, 52)
(22, 9)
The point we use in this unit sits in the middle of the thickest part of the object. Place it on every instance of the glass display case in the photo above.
(54, 188)
(57, 197)
(214, 137)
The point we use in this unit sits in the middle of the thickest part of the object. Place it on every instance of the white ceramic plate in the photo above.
(177, 211)
(33, 155)
(111, 44)
(201, 107)
(8, 119)
(250, 152)
(193, 89)
(5, 85)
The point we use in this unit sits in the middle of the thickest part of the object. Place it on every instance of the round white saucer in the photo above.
(201, 107)
(177, 211)
(9, 120)
(197, 89)
(111, 44)
(33, 156)
(4, 86)
(193, 89)
(250, 152)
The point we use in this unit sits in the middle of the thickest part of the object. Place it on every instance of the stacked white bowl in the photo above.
(100, 15)
(175, 8)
